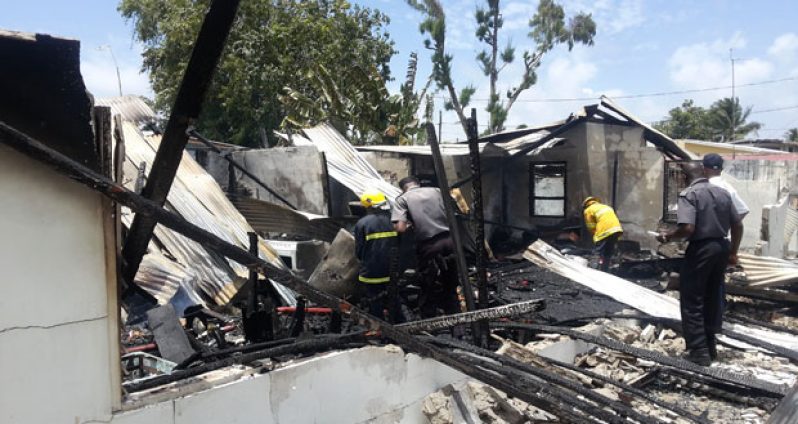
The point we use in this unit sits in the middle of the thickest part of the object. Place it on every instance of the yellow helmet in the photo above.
(590, 200)
(373, 199)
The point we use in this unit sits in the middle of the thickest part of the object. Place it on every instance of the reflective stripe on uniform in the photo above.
(384, 234)
(602, 211)
(378, 280)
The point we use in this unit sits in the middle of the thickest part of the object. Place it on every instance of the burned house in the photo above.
(536, 178)
(558, 342)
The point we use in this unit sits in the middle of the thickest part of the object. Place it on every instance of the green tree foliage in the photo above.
(273, 44)
(728, 120)
(365, 112)
(686, 121)
(791, 134)
(725, 120)
(548, 29)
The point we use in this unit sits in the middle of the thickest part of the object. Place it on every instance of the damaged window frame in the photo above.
(533, 197)
(674, 174)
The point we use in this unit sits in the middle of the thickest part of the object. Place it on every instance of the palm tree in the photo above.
(727, 119)
(791, 134)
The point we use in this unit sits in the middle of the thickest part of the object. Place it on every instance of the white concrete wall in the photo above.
(54, 328)
(374, 385)
(757, 195)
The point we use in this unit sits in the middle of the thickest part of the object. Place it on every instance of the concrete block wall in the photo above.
(55, 342)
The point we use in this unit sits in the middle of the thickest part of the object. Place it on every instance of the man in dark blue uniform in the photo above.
(705, 214)
(374, 240)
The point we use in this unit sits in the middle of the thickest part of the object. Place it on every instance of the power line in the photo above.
(637, 96)
(774, 110)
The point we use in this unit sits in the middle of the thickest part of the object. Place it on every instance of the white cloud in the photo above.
(705, 65)
(786, 45)
(611, 16)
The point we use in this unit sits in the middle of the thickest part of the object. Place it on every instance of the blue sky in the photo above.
(642, 46)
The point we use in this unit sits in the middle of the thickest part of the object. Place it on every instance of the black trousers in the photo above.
(605, 248)
(701, 290)
(438, 269)
(379, 298)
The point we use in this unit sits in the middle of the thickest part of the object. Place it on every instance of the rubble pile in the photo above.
(477, 402)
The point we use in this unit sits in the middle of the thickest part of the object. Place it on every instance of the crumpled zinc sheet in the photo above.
(647, 301)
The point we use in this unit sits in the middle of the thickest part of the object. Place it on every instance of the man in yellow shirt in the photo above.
(605, 227)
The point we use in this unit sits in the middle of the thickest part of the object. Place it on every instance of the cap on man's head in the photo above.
(713, 161)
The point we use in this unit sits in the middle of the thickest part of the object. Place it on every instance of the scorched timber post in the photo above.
(454, 227)
(479, 217)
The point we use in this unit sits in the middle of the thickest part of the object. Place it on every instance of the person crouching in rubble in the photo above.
(374, 239)
(705, 213)
(605, 227)
(422, 209)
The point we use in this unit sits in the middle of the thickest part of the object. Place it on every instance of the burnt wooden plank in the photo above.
(454, 226)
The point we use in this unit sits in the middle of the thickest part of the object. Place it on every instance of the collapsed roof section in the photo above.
(344, 162)
(606, 111)
(207, 276)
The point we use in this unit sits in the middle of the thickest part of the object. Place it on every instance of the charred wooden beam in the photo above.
(448, 321)
(188, 103)
(454, 226)
(115, 191)
(515, 368)
(724, 375)
(479, 216)
(317, 344)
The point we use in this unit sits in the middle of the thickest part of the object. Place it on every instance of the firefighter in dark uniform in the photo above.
(422, 209)
(374, 239)
(705, 214)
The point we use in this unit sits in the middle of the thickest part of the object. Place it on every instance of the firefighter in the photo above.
(603, 224)
(374, 240)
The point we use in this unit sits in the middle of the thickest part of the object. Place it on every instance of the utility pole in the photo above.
(440, 125)
(734, 99)
(116, 65)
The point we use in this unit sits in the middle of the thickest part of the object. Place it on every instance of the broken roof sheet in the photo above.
(345, 164)
(197, 197)
(726, 148)
(650, 133)
(268, 217)
(486, 148)
(647, 301)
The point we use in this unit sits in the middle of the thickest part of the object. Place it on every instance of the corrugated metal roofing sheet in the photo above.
(197, 197)
(345, 164)
(269, 217)
(130, 108)
(461, 149)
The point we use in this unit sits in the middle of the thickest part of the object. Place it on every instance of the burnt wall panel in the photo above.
(42, 93)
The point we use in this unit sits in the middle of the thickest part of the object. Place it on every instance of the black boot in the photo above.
(712, 346)
(699, 357)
